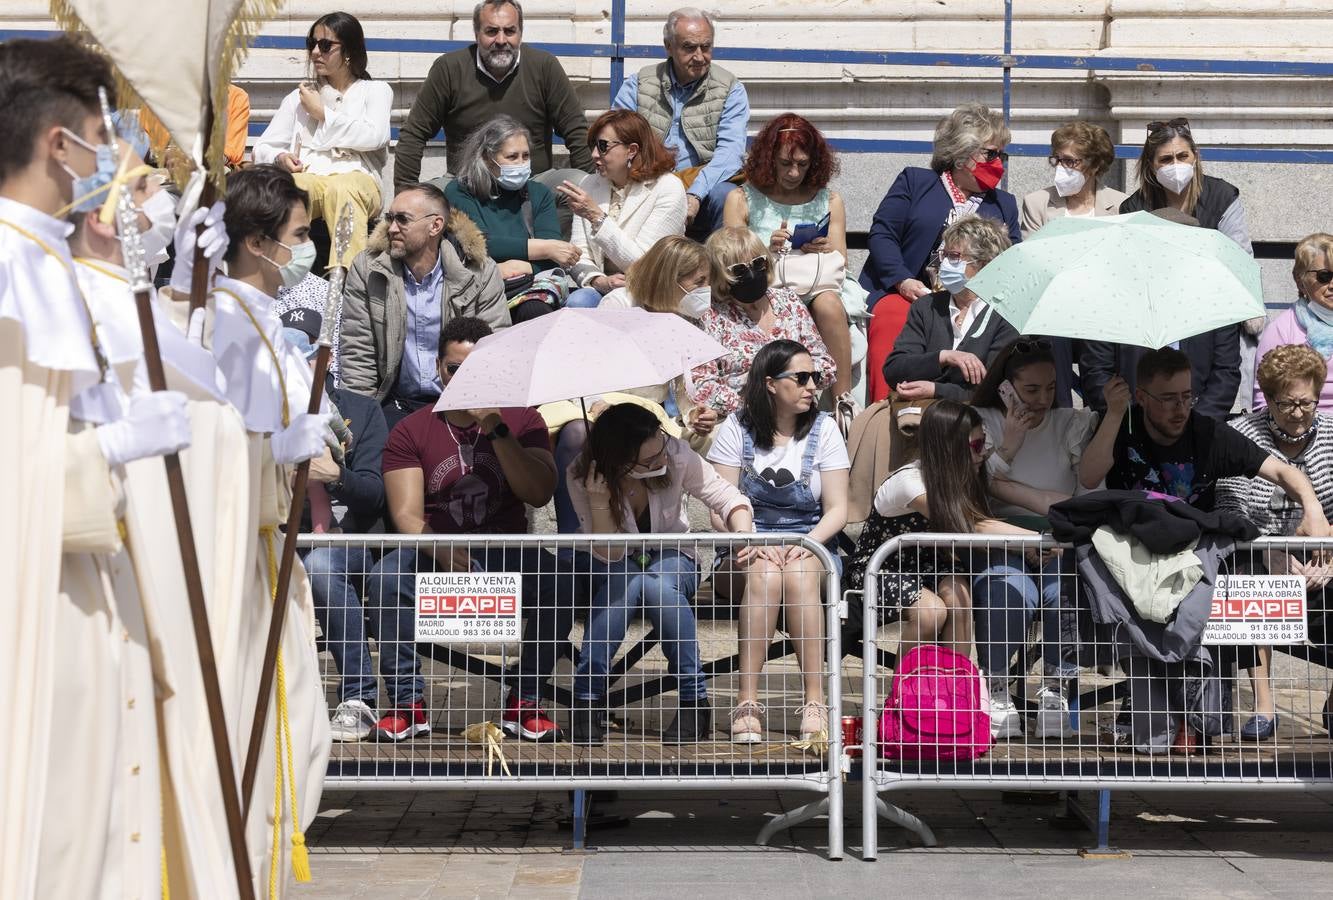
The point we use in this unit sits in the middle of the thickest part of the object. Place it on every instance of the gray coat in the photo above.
(375, 304)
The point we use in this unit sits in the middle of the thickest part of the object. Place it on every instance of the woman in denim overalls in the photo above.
(778, 411)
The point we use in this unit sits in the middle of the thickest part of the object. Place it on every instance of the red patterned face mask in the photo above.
(988, 174)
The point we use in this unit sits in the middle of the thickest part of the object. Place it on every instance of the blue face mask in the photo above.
(953, 275)
(514, 177)
(89, 191)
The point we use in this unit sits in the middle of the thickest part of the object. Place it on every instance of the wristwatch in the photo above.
(499, 431)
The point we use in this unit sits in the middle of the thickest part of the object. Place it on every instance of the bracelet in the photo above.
(601, 508)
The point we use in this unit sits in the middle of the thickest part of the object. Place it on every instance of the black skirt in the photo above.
(905, 574)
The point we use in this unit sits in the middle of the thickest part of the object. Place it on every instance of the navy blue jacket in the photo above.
(1214, 364)
(361, 485)
(908, 224)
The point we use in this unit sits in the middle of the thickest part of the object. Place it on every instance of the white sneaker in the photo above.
(352, 721)
(1005, 722)
(1053, 715)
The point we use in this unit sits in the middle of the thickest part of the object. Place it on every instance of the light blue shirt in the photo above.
(418, 376)
(730, 150)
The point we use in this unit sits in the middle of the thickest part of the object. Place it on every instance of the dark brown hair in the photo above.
(653, 159)
(613, 449)
(1166, 361)
(1091, 143)
(259, 201)
(956, 492)
(1016, 355)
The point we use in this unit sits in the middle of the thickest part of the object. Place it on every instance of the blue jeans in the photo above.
(548, 613)
(333, 571)
(569, 446)
(709, 217)
(584, 298)
(1005, 598)
(662, 589)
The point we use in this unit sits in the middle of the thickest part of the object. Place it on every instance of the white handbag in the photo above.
(809, 274)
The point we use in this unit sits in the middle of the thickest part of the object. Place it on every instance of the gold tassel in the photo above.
(488, 733)
(300, 857)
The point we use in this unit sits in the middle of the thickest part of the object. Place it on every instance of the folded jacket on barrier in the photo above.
(1154, 654)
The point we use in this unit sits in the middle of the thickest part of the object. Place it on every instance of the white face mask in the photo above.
(160, 210)
(651, 473)
(1068, 181)
(1175, 177)
(696, 302)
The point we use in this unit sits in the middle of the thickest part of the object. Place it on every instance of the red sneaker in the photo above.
(525, 719)
(400, 724)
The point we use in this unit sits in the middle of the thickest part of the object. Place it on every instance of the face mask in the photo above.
(953, 275)
(652, 473)
(751, 286)
(298, 267)
(88, 190)
(988, 174)
(514, 177)
(1175, 177)
(160, 209)
(696, 302)
(1068, 181)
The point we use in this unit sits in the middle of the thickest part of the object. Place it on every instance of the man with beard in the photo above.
(1168, 448)
(426, 265)
(469, 87)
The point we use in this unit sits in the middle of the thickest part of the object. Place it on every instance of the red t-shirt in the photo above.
(466, 493)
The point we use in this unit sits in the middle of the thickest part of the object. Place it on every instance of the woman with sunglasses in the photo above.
(966, 167)
(1292, 428)
(1038, 446)
(790, 460)
(631, 202)
(633, 479)
(951, 335)
(747, 312)
(1308, 321)
(332, 132)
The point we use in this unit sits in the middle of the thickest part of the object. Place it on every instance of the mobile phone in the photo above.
(1009, 397)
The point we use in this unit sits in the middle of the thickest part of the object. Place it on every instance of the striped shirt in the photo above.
(1266, 504)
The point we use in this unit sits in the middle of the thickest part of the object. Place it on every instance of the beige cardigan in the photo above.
(1039, 207)
(651, 211)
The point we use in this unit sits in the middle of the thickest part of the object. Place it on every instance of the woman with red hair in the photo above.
(786, 186)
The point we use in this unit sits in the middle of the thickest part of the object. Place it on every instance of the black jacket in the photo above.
(361, 485)
(916, 353)
(1163, 526)
(1214, 366)
(1214, 200)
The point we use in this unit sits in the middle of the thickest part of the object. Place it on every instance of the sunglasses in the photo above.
(758, 265)
(1179, 126)
(977, 446)
(992, 155)
(1323, 276)
(324, 44)
(1026, 346)
(402, 220)
(802, 378)
(452, 368)
(604, 146)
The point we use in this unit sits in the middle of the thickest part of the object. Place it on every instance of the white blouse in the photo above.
(354, 136)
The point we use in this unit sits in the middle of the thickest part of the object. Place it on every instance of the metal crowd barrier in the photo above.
(1092, 710)
(458, 641)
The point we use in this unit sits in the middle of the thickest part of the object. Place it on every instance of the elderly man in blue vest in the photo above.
(700, 110)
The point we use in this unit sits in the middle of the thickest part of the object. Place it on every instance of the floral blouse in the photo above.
(718, 384)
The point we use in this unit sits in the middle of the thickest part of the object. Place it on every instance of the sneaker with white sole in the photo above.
(1005, 722)
(352, 721)
(1053, 715)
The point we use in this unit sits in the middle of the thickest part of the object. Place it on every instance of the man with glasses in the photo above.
(701, 111)
(424, 267)
(1165, 446)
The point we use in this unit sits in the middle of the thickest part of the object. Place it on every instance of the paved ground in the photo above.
(397, 845)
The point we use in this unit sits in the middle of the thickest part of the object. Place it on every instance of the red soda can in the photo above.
(851, 735)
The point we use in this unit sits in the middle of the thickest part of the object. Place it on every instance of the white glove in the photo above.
(213, 241)
(155, 425)
(304, 439)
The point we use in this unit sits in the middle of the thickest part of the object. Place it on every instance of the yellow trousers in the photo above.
(328, 193)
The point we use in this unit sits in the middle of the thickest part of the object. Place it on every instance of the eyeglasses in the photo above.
(402, 220)
(1179, 126)
(324, 44)
(978, 445)
(1025, 346)
(953, 256)
(989, 154)
(1069, 162)
(802, 378)
(1323, 276)
(1187, 399)
(758, 265)
(657, 458)
(604, 146)
(452, 368)
(1290, 406)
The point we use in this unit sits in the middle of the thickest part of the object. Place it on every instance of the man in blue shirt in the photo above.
(701, 111)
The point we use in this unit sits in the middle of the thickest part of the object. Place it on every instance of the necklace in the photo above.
(1285, 438)
(466, 452)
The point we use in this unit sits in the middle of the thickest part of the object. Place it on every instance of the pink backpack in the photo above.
(938, 708)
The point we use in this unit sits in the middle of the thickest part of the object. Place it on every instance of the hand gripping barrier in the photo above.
(1209, 671)
(469, 653)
